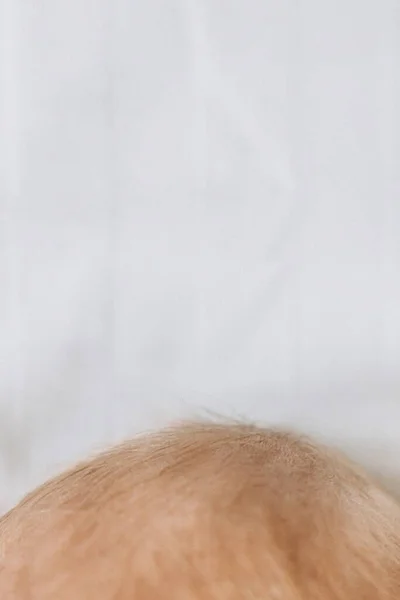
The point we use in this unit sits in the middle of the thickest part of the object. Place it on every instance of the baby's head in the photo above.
(205, 512)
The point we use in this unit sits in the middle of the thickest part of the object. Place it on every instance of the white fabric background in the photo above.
(200, 209)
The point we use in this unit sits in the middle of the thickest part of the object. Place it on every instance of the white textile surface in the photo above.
(200, 211)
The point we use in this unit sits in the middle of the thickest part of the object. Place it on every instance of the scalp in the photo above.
(202, 511)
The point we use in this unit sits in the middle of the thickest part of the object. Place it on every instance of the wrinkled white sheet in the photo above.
(200, 210)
